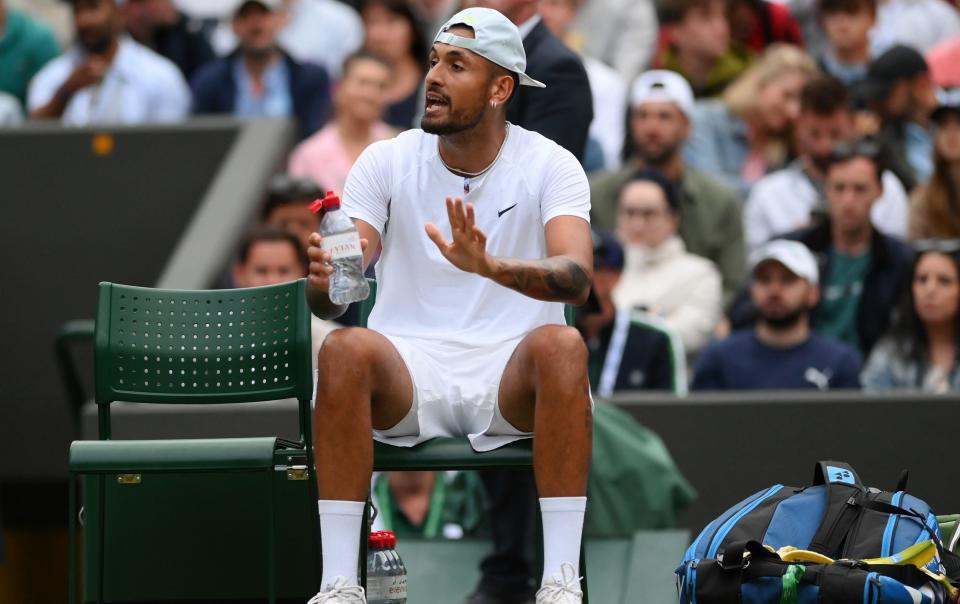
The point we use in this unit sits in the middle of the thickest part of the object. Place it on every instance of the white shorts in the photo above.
(455, 393)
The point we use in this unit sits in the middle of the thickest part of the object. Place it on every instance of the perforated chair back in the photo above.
(197, 347)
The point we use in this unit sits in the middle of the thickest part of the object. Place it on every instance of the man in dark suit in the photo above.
(259, 79)
(562, 112)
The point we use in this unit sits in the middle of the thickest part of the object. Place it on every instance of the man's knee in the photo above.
(349, 347)
(557, 347)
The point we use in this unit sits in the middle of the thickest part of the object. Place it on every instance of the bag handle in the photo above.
(734, 554)
(829, 472)
(844, 490)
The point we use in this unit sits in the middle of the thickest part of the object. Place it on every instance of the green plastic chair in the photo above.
(194, 347)
(442, 454)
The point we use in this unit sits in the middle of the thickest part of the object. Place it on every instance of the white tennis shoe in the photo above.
(340, 593)
(565, 588)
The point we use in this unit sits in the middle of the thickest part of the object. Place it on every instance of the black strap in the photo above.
(843, 511)
(951, 564)
(839, 583)
(844, 491)
(886, 508)
(734, 554)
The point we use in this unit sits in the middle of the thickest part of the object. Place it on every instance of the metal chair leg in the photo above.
(72, 539)
(101, 534)
(272, 541)
(364, 532)
(583, 569)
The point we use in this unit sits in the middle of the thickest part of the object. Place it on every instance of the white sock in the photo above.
(562, 531)
(340, 525)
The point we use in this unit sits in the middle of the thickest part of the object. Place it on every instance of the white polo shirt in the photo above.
(139, 86)
(399, 185)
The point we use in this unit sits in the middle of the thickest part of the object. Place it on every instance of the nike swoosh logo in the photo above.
(502, 212)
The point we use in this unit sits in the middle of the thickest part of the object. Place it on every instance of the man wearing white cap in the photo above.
(781, 352)
(467, 337)
(661, 106)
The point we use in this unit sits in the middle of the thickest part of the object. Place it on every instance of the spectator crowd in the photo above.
(775, 185)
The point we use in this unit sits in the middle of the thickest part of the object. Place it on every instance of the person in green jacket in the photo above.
(25, 46)
(430, 505)
(660, 120)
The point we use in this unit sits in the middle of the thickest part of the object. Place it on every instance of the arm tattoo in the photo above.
(557, 279)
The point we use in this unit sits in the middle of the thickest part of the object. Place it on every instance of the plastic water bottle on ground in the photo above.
(386, 575)
(340, 237)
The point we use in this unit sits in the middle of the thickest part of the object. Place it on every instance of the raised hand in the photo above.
(468, 250)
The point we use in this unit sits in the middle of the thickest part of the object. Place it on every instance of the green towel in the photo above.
(634, 484)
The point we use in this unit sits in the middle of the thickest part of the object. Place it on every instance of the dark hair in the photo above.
(363, 55)
(832, 7)
(672, 12)
(669, 189)
(269, 234)
(942, 196)
(866, 148)
(907, 331)
(825, 95)
(418, 44)
(284, 190)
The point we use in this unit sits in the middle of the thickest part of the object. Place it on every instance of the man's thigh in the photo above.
(546, 352)
(372, 365)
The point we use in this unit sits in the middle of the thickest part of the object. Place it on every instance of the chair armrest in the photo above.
(71, 334)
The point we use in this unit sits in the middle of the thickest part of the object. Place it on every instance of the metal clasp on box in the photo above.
(298, 473)
(129, 479)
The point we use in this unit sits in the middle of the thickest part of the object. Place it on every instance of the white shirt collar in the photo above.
(527, 26)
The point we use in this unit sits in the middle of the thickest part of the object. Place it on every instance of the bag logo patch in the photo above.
(840, 475)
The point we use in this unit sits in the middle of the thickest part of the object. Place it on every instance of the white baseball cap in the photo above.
(271, 5)
(794, 255)
(662, 85)
(495, 39)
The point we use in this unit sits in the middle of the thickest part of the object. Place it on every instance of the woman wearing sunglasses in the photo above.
(920, 352)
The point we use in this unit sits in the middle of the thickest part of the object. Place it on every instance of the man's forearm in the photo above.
(321, 306)
(556, 279)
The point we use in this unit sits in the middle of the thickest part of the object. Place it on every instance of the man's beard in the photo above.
(257, 52)
(657, 156)
(96, 42)
(454, 124)
(785, 321)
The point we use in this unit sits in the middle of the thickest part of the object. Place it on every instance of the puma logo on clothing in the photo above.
(820, 379)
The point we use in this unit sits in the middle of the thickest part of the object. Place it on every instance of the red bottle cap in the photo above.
(376, 540)
(391, 539)
(330, 202)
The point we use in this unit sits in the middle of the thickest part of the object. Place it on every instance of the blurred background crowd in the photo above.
(775, 185)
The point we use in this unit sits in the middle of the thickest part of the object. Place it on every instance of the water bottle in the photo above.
(340, 237)
(400, 590)
(386, 575)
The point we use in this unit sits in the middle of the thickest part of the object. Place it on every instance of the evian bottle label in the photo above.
(386, 588)
(344, 245)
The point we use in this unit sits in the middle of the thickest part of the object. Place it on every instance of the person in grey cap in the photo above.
(781, 351)
(485, 235)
